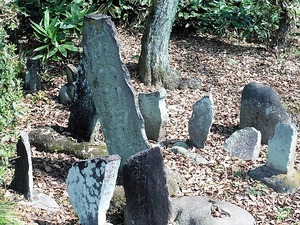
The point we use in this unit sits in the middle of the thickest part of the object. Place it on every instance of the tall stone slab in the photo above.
(146, 189)
(244, 143)
(262, 109)
(112, 91)
(84, 121)
(23, 180)
(154, 110)
(201, 121)
(91, 185)
(282, 148)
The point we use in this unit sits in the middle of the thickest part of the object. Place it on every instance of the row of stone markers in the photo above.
(122, 118)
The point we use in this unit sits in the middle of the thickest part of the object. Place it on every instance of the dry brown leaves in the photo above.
(224, 68)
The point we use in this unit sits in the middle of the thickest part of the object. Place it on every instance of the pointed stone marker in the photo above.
(154, 110)
(111, 88)
(91, 184)
(146, 189)
(23, 180)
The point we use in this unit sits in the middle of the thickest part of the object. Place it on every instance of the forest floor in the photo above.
(224, 67)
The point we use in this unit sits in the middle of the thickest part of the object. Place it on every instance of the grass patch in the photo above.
(7, 215)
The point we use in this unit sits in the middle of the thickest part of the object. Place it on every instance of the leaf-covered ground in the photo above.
(224, 69)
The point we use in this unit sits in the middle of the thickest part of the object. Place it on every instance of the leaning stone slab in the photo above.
(91, 184)
(244, 143)
(146, 190)
(154, 111)
(201, 121)
(84, 121)
(23, 180)
(280, 182)
(262, 109)
(282, 148)
(112, 91)
(205, 211)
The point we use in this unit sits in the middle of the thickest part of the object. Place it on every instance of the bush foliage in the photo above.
(10, 90)
(55, 22)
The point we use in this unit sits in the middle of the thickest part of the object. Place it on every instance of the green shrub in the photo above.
(56, 25)
(10, 90)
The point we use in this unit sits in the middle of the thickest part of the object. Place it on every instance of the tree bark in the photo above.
(154, 58)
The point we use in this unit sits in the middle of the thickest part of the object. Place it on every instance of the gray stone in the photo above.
(244, 143)
(182, 148)
(262, 109)
(201, 121)
(91, 185)
(146, 189)
(280, 182)
(32, 77)
(174, 179)
(112, 91)
(197, 210)
(43, 201)
(67, 92)
(23, 180)
(282, 148)
(154, 111)
(84, 123)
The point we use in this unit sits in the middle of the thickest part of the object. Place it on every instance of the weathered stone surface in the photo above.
(174, 179)
(67, 92)
(84, 123)
(197, 210)
(154, 111)
(112, 91)
(261, 108)
(91, 184)
(182, 148)
(145, 189)
(280, 182)
(244, 143)
(282, 148)
(201, 121)
(48, 140)
(23, 180)
(42, 201)
(32, 77)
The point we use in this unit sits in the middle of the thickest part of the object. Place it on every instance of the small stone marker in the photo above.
(201, 121)
(91, 185)
(282, 148)
(32, 77)
(112, 91)
(262, 109)
(244, 143)
(23, 180)
(154, 110)
(146, 190)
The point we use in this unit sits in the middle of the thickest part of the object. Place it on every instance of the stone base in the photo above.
(280, 182)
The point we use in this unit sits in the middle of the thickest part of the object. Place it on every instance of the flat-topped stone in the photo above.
(91, 185)
(282, 147)
(244, 143)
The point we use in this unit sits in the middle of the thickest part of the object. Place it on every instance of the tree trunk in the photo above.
(154, 58)
(279, 38)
